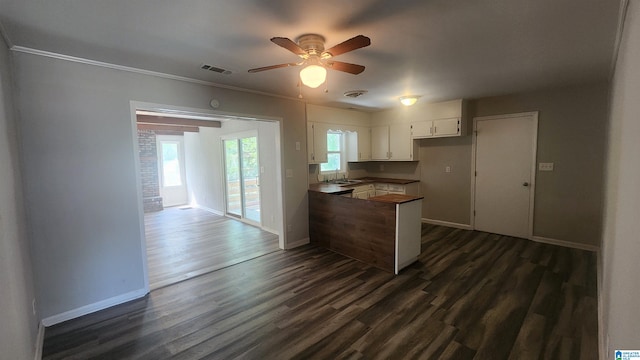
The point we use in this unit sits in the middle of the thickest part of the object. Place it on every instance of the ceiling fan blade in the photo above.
(354, 69)
(272, 67)
(289, 45)
(357, 42)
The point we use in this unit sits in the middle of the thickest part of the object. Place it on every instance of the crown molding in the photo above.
(49, 54)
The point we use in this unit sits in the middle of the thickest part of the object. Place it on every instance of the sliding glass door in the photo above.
(242, 177)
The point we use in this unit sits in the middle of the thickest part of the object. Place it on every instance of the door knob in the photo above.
(525, 184)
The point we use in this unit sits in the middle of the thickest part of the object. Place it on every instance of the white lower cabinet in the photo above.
(364, 191)
(405, 189)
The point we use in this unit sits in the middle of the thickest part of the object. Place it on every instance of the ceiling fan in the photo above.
(310, 47)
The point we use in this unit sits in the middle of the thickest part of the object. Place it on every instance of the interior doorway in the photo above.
(504, 150)
(172, 172)
(181, 242)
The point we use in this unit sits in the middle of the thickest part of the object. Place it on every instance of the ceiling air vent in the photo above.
(215, 69)
(355, 93)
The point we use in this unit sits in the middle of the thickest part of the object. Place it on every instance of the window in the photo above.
(335, 152)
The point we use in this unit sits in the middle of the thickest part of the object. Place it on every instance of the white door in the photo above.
(504, 166)
(171, 170)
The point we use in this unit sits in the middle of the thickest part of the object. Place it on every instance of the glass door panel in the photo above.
(251, 179)
(242, 178)
(232, 177)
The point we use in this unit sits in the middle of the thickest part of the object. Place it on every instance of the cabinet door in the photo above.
(316, 143)
(364, 144)
(310, 147)
(400, 142)
(320, 142)
(446, 127)
(421, 129)
(380, 142)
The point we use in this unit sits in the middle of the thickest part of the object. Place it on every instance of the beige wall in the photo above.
(572, 135)
(81, 186)
(620, 288)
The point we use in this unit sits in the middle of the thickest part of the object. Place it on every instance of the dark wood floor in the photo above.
(471, 295)
(187, 242)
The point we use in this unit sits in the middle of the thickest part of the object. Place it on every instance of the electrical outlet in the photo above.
(447, 169)
(289, 228)
(545, 166)
(381, 167)
(289, 173)
(298, 145)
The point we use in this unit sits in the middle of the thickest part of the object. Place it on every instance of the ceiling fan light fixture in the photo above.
(408, 100)
(313, 75)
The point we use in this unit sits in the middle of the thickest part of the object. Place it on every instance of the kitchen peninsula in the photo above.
(383, 231)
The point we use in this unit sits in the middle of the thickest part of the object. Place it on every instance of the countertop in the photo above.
(338, 189)
(387, 180)
(395, 198)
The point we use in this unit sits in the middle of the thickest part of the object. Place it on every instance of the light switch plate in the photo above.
(545, 166)
(447, 169)
(289, 173)
(298, 145)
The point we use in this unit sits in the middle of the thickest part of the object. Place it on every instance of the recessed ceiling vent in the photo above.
(355, 93)
(215, 69)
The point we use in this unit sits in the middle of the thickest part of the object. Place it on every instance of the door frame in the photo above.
(532, 192)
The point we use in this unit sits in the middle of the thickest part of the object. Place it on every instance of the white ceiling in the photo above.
(439, 49)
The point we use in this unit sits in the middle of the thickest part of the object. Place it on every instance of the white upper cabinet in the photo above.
(436, 128)
(359, 144)
(380, 142)
(354, 124)
(392, 142)
(400, 142)
(317, 143)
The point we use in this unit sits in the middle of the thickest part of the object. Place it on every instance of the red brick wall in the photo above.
(152, 201)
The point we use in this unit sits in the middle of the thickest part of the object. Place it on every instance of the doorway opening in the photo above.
(189, 225)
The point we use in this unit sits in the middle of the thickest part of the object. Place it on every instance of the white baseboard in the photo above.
(565, 243)
(216, 212)
(268, 229)
(91, 308)
(297, 243)
(39, 342)
(447, 223)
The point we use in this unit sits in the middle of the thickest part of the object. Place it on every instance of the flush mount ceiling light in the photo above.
(409, 100)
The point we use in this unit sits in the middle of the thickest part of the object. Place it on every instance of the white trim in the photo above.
(39, 342)
(27, 50)
(91, 308)
(268, 229)
(298, 243)
(534, 155)
(564, 243)
(447, 223)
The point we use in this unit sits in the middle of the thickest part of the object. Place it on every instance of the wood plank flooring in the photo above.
(187, 242)
(471, 295)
